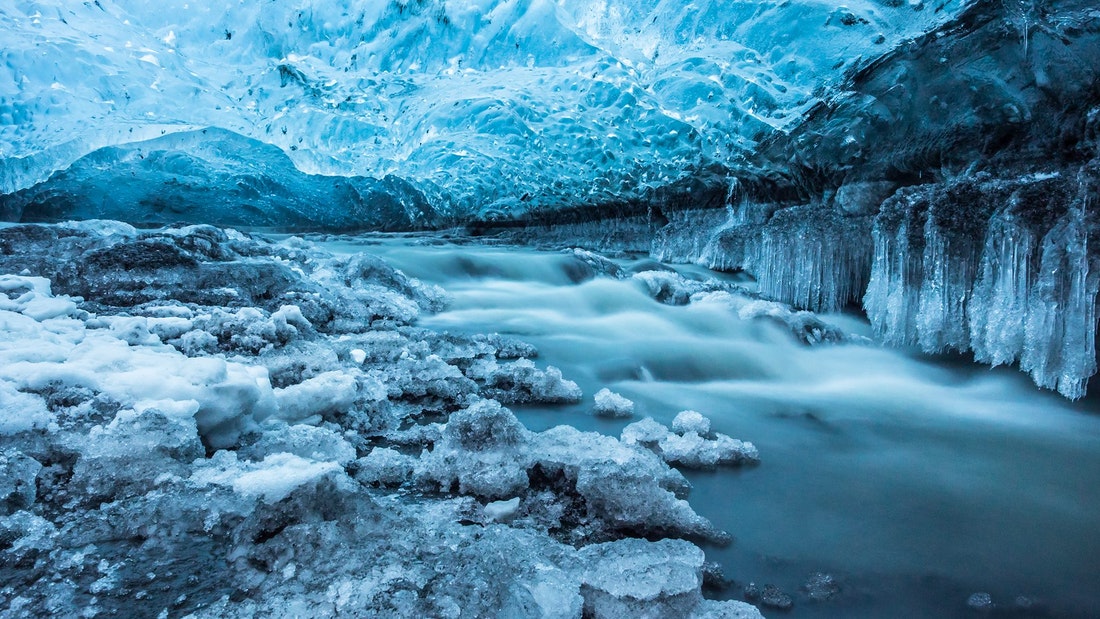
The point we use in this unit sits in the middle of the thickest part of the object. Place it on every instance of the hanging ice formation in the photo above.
(1015, 284)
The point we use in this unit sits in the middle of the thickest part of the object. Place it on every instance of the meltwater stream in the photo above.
(914, 482)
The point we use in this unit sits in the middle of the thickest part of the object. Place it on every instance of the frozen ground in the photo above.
(197, 422)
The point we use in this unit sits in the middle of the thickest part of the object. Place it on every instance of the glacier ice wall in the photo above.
(954, 178)
(487, 106)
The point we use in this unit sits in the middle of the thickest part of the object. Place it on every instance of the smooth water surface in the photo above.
(914, 482)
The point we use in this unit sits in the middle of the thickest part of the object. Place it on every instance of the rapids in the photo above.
(914, 481)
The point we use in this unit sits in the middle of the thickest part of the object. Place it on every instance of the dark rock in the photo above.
(821, 587)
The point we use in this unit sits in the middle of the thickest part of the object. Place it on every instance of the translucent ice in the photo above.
(529, 103)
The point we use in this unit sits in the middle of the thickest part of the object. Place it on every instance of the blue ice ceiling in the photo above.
(481, 104)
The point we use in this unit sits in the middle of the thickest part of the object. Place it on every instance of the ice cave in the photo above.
(577, 309)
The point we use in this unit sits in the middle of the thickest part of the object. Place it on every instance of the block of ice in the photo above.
(327, 393)
(689, 444)
(271, 479)
(502, 510)
(632, 577)
(691, 421)
(610, 404)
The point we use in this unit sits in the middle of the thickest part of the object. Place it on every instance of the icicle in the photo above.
(813, 258)
(948, 276)
(695, 237)
(998, 306)
(893, 293)
(979, 278)
(1061, 321)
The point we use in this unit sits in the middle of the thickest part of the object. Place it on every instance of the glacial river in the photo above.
(914, 482)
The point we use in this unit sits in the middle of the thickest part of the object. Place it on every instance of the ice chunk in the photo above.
(483, 426)
(327, 393)
(633, 577)
(494, 434)
(384, 466)
(32, 297)
(685, 446)
(17, 481)
(691, 421)
(610, 404)
(502, 510)
(484, 452)
(230, 395)
(521, 382)
(272, 479)
(690, 450)
(646, 432)
(309, 442)
(20, 412)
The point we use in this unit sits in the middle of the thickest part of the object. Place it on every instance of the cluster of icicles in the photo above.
(1010, 277)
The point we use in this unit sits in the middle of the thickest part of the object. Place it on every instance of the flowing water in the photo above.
(914, 482)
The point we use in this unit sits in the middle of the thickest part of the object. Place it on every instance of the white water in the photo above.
(915, 482)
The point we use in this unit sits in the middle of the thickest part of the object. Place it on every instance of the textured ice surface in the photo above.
(289, 443)
(528, 103)
(630, 578)
(691, 421)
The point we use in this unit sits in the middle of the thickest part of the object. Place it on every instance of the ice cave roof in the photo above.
(478, 103)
